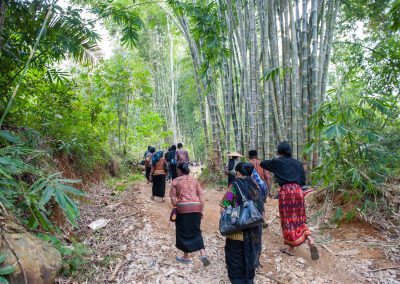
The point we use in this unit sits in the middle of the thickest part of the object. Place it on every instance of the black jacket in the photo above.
(286, 170)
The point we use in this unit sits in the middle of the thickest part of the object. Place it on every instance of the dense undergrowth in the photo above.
(33, 190)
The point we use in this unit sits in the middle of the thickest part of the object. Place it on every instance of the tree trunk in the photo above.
(277, 107)
(314, 71)
(295, 90)
(286, 66)
(304, 74)
(172, 106)
(252, 98)
(329, 38)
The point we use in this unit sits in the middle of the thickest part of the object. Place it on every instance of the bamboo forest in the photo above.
(202, 141)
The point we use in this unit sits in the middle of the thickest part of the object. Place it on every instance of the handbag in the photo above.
(236, 219)
(172, 216)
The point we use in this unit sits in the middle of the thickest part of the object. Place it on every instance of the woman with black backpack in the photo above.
(171, 159)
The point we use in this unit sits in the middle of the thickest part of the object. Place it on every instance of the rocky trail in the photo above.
(138, 245)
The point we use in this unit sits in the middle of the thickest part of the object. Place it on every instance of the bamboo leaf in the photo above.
(70, 189)
(47, 195)
(8, 136)
(69, 180)
(60, 198)
(336, 130)
(7, 270)
(33, 222)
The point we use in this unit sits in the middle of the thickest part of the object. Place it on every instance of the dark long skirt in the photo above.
(158, 185)
(188, 232)
(236, 263)
(148, 170)
(242, 257)
(292, 213)
(174, 174)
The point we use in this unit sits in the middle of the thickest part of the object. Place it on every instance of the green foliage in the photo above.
(29, 201)
(213, 180)
(357, 153)
(338, 215)
(122, 183)
(74, 255)
(357, 128)
(207, 27)
(122, 15)
(67, 34)
(5, 270)
(48, 187)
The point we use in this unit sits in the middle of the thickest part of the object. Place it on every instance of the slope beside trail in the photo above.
(141, 242)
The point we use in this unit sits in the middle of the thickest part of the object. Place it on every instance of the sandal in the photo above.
(205, 261)
(314, 252)
(285, 250)
(183, 260)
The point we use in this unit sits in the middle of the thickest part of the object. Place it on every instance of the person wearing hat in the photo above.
(230, 167)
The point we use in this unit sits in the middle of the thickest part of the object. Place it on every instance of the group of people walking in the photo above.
(162, 166)
(253, 180)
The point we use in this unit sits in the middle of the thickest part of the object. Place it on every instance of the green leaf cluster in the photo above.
(357, 138)
(18, 169)
(5, 270)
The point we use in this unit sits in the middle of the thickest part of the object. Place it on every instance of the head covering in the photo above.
(234, 154)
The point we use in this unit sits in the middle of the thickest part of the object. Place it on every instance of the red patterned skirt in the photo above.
(293, 214)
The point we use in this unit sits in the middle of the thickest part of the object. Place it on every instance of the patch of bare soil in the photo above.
(138, 246)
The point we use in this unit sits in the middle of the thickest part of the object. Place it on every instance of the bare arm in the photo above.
(200, 194)
(172, 194)
(151, 174)
(174, 201)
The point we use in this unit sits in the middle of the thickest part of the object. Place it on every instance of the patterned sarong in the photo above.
(293, 214)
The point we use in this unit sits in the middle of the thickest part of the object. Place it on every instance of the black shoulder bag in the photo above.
(236, 219)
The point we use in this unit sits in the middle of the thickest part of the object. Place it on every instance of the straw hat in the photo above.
(234, 154)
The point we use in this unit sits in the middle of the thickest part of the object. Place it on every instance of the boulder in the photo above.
(40, 260)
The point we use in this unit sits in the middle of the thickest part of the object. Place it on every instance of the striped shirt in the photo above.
(188, 191)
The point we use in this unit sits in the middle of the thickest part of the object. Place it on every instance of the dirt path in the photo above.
(140, 234)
